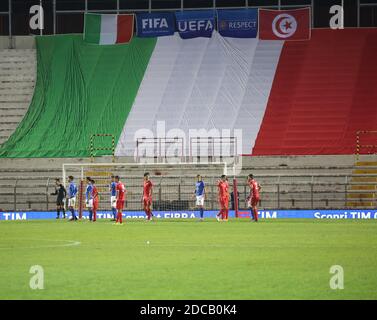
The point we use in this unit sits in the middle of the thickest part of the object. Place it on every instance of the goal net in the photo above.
(174, 184)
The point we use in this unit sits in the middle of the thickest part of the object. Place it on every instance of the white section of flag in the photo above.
(203, 83)
(109, 29)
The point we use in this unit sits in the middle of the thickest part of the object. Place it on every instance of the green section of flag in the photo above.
(92, 28)
(81, 89)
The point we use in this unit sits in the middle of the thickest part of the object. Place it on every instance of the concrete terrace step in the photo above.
(17, 56)
(15, 98)
(366, 163)
(16, 90)
(6, 118)
(5, 68)
(5, 131)
(17, 77)
(365, 171)
(28, 61)
(363, 187)
(16, 84)
(15, 52)
(9, 74)
(10, 89)
(10, 126)
(12, 112)
(15, 105)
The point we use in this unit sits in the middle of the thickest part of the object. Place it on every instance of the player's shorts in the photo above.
(120, 204)
(89, 203)
(224, 202)
(147, 201)
(252, 202)
(113, 201)
(72, 202)
(60, 202)
(200, 200)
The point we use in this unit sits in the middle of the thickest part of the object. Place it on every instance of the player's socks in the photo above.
(201, 213)
(256, 215)
(252, 213)
(57, 213)
(114, 213)
(73, 214)
(94, 215)
(120, 218)
(63, 213)
(90, 215)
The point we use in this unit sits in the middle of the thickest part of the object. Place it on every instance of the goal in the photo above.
(174, 184)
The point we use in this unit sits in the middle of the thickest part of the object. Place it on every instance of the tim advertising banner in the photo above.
(155, 24)
(238, 23)
(194, 24)
(243, 214)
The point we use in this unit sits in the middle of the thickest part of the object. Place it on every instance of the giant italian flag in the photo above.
(108, 28)
(277, 97)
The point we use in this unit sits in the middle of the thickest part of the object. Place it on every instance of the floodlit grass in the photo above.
(186, 259)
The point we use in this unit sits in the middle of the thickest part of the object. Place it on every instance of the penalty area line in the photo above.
(68, 243)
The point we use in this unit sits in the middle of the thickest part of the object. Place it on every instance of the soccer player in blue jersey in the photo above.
(113, 197)
(200, 194)
(89, 197)
(72, 192)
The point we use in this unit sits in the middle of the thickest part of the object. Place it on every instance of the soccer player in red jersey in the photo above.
(95, 200)
(147, 196)
(253, 198)
(223, 193)
(120, 199)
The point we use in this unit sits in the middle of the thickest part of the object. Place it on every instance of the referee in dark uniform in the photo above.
(61, 193)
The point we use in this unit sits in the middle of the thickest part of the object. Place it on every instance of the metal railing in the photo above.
(283, 191)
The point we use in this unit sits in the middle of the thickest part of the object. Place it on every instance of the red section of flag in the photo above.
(284, 24)
(125, 28)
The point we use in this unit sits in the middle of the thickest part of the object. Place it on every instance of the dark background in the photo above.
(73, 22)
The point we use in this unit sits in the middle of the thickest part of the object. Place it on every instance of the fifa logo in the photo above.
(37, 18)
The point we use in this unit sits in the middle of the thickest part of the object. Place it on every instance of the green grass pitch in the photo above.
(186, 259)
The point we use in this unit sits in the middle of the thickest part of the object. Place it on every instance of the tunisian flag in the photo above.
(284, 24)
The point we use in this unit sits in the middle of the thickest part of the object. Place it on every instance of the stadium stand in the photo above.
(282, 104)
(17, 81)
(288, 182)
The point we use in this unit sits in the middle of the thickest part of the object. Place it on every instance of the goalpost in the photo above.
(174, 184)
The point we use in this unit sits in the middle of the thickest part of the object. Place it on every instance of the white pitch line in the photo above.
(69, 244)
